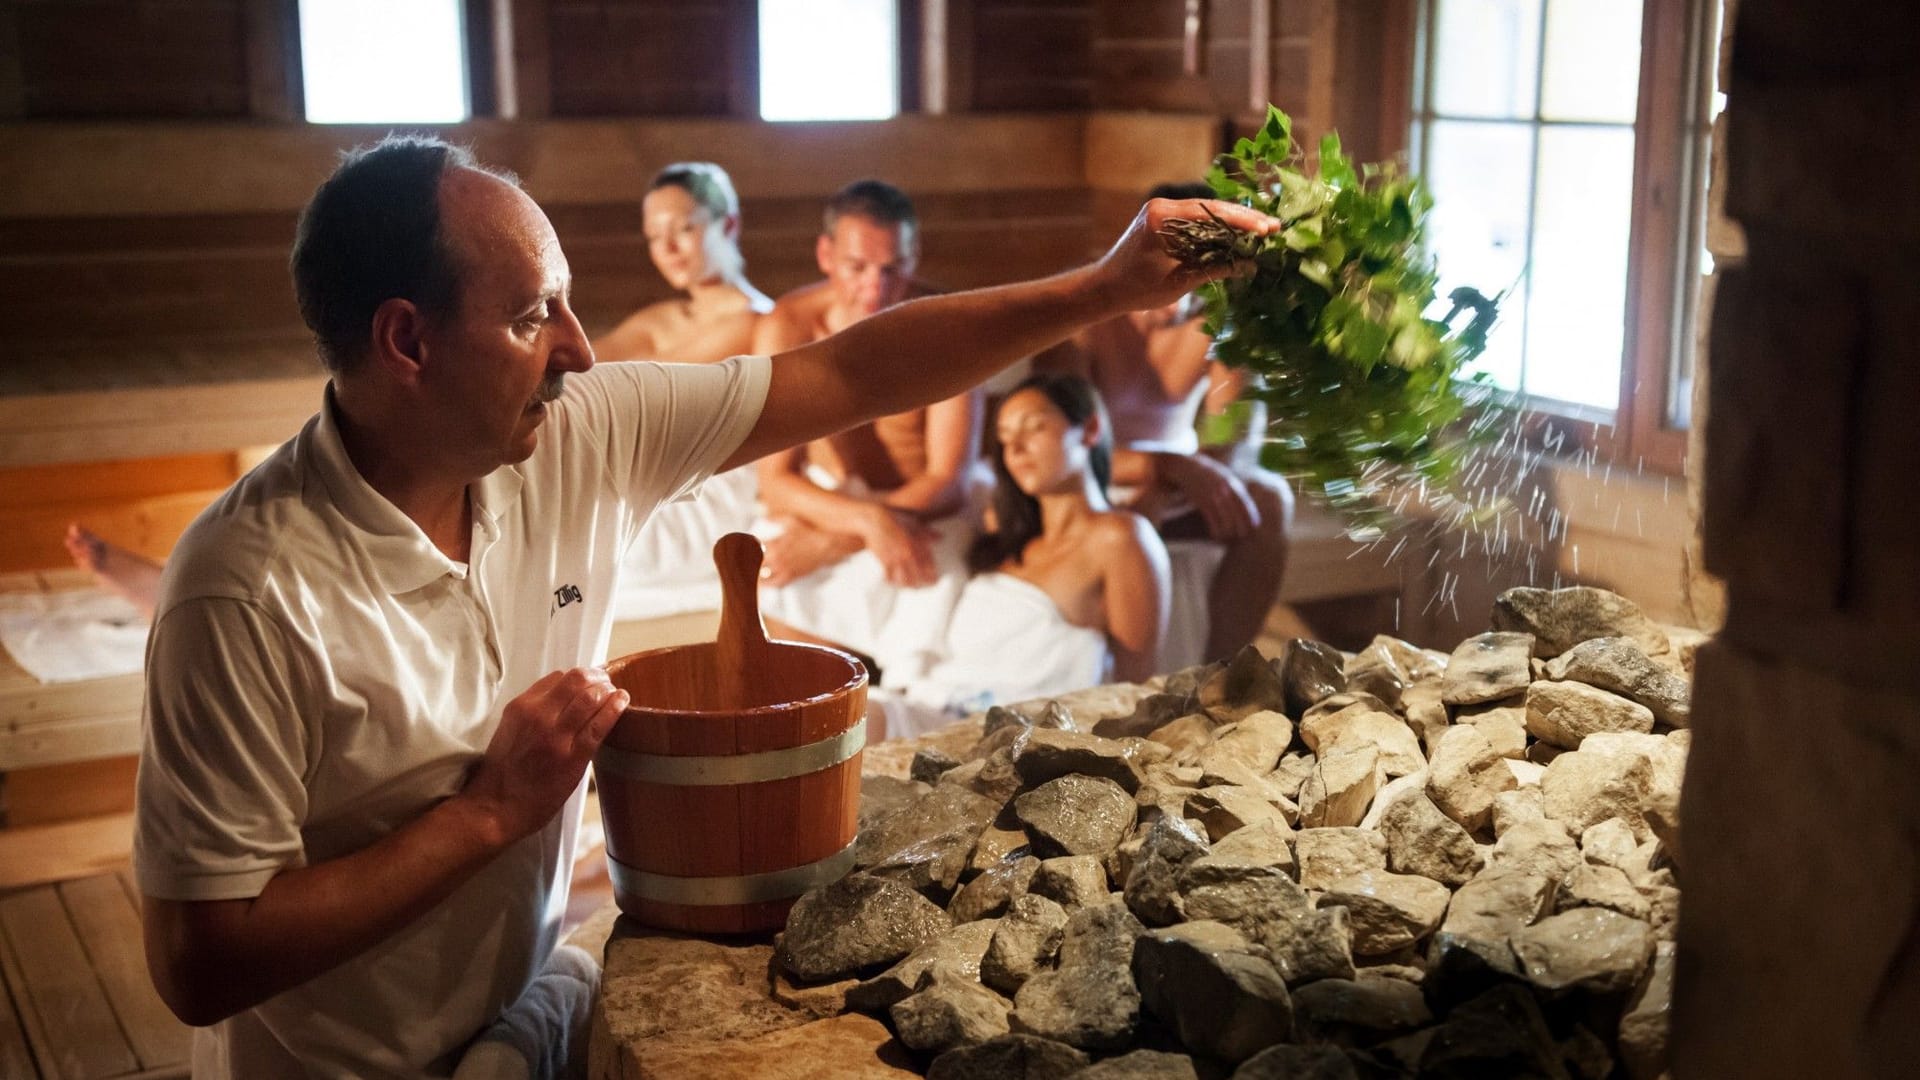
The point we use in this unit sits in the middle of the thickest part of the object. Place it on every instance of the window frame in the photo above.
(1665, 238)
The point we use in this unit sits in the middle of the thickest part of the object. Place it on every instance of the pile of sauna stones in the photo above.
(1395, 862)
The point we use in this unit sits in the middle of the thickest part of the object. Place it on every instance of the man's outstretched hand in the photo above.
(1139, 272)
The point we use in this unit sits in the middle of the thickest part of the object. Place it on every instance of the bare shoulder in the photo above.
(1123, 532)
(637, 336)
(794, 320)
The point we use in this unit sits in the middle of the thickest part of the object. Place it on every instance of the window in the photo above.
(829, 59)
(383, 61)
(1561, 139)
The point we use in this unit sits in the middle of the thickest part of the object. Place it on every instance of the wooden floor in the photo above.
(76, 1002)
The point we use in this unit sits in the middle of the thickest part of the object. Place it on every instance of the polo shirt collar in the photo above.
(400, 554)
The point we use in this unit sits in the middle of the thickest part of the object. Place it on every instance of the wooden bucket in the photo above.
(731, 785)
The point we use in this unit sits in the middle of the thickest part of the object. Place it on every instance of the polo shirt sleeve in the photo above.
(665, 428)
(221, 795)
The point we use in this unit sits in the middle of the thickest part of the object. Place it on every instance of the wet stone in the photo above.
(1310, 671)
(1152, 889)
(1024, 942)
(995, 890)
(1645, 1024)
(1422, 840)
(1488, 667)
(1358, 1012)
(1258, 850)
(1591, 948)
(1072, 881)
(1150, 714)
(856, 924)
(1536, 846)
(1564, 713)
(1601, 887)
(1076, 815)
(1272, 912)
(1619, 666)
(1049, 755)
(1559, 619)
(1256, 741)
(949, 1012)
(1217, 991)
(1388, 911)
(1225, 809)
(1291, 1062)
(1499, 1033)
(1377, 671)
(1090, 1000)
(1496, 903)
(1186, 736)
(997, 843)
(880, 796)
(1141, 1065)
(1009, 1057)
(929, 764)
(1247, 685)
(1327, 855)
(956, 951)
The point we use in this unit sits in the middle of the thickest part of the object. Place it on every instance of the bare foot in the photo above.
(128, 573)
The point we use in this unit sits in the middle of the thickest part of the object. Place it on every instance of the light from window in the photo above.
(383, 61)
(1527, 141)
(829, 59)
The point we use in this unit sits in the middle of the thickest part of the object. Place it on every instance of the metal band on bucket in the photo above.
(730, 769)
(729, 891)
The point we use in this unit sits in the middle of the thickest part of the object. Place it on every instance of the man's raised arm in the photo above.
(957, 340)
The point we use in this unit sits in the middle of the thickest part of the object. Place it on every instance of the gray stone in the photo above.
(1559, 619)
(1590, 948)
(1487, 667)
(1152, 886)
(1618, 665)
(1377, 671)
(1246, 685)
(1310, 671)
(1601, 887)
(855, 924)
(1049, 755)
(1388, 911)
(1586, 787)
(1523, 803)
(1564, 713)
(1536, 846)
(1226, 808)
(1645, 1024)
(1009, 1057)
(993, 891)
(1503, 722)
(1076, 815)
(1291, 1062)
(1358, 1012)
(881, 795)
(1187, 681)
(1422, 840)
(1426, 714)
(949, 1013)
(1150, 713)
(1072, 881)
(1304, 943)
(1464, 777)
(1500, 1033)
(1219, 993)
(1256, 741)
(1186, 736)
(1257, 850)
(1339, 790)
(1361, 725)
(1024, 942)
(958, 951)
(1090, 1000)
(929, 764)
(1141, 1065)
(1327, 855)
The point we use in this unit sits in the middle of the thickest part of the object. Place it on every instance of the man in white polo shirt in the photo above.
(369, 705)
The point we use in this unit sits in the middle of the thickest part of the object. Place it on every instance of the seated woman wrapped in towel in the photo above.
(1067, 591)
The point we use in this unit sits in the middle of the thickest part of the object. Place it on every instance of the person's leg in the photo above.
(1248, 582)
(128, 573)
(543, 1035)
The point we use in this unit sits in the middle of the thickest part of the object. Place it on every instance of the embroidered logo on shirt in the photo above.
(566, 594)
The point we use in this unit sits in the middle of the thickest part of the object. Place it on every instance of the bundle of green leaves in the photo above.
(1365, 390)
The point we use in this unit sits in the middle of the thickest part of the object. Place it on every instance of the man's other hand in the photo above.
(903, 545)
(1138, 273)
(800, 549)
(540, 751)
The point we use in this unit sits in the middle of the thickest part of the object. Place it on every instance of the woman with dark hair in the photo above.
(1067, 591)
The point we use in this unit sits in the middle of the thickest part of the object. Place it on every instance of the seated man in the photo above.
(864, 524)
(1153, 370)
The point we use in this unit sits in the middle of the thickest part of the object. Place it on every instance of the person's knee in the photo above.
(1273, 497)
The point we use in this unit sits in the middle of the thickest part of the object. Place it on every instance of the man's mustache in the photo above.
(550, 388)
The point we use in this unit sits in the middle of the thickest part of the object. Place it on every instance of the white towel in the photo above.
(669, 568)
(74, 634)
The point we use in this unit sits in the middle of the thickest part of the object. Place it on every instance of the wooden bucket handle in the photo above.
(742, 647)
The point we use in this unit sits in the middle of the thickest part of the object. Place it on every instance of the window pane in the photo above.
(383, 61)
(1593, 61)
(1576, 318)
(1486, 59)
(1482, 175)
(829, 60)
